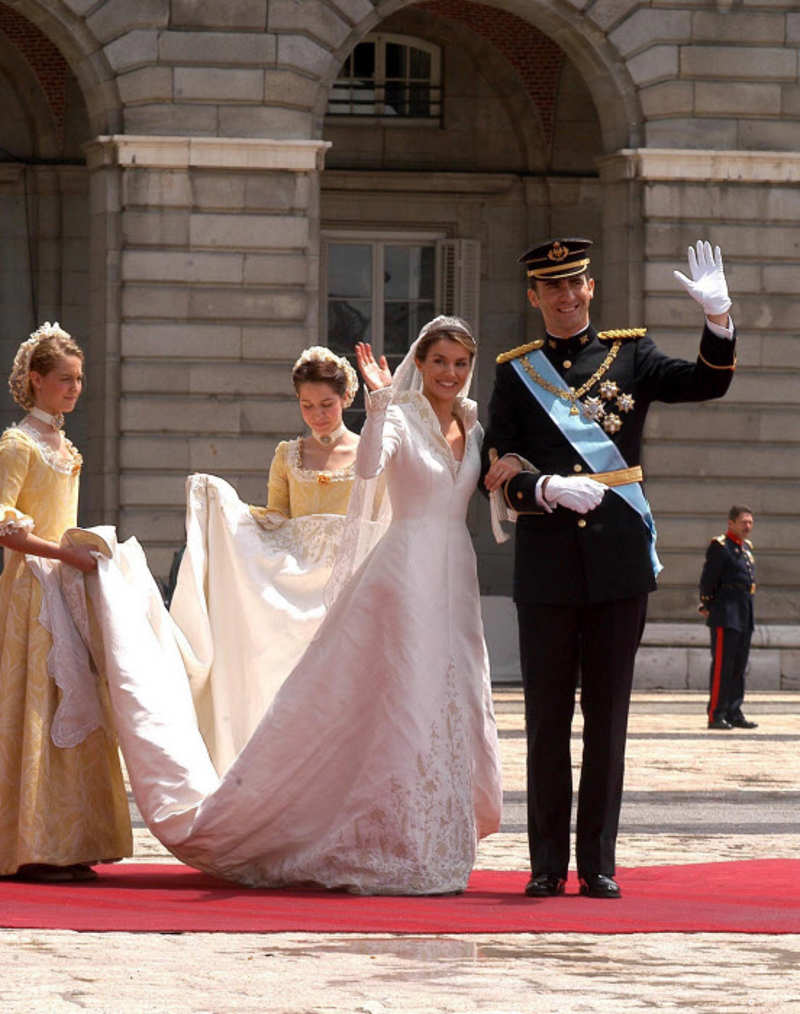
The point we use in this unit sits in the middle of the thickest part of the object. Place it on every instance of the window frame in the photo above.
(381, 40)
(378, 240)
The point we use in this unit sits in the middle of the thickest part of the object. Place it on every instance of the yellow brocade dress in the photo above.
(57, 805)
(296, 491)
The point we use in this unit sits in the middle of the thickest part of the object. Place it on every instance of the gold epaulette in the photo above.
(520, 350)
(720, 539)
(622, 332)
(748, 543)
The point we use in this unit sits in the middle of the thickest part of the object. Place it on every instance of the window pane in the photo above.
(419, 100)
(427, 272)
(395, 60)
(420, 64)
(402, 323)
(363, 100)
(349, 321)
(396, 328)
(364, 60)
(394, 99)
(408, 272)
(349, 270)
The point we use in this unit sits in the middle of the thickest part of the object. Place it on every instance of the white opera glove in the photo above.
(707, 284)
(577, 492)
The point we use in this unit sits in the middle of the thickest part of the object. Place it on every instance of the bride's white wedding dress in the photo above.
(376, 766)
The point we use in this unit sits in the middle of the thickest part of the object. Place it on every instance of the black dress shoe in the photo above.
(720, 723)
(740, 722)
(596, 885)
(545, 885)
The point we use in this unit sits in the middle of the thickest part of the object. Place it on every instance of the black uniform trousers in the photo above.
(730, 650)
(559, 643)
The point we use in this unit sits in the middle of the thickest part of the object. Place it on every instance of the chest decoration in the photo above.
(597, 407)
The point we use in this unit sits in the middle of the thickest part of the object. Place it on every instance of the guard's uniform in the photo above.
(581, 582)
(727, 587)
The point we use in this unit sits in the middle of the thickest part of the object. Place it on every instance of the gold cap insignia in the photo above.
(557, 251)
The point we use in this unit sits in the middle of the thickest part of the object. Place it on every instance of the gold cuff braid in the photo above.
(619, 477)
(713, 366)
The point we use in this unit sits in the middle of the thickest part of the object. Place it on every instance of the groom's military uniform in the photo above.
(581, 581)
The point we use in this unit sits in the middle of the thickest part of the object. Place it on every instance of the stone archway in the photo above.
(68, 32)
(605, 73)
(59, 92)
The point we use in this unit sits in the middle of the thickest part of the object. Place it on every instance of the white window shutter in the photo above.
(458, 278)
(446, 260)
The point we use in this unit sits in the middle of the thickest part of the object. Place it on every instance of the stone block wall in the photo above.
(215, 288)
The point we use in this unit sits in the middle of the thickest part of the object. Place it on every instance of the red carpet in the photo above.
(756, 896)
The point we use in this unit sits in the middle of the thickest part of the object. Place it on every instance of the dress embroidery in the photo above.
(427, 420)
(312, 538)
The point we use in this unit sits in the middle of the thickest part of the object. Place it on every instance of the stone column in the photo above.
(205, 286)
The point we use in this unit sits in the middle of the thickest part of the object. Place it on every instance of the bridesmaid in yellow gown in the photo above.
(314, 474)
(61, 808)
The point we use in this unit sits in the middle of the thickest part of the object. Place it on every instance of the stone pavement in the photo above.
(691, 796)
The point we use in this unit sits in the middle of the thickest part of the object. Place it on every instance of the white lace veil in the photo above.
(369, 511)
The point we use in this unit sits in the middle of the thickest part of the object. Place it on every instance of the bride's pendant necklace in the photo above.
(329, 439)
(56, 421)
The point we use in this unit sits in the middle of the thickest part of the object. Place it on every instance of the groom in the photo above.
(562, 456)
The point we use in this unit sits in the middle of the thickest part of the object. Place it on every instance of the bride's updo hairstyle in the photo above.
(454, 328)
(39, 353)
(319, 365)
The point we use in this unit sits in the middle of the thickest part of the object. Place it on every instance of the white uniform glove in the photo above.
(707, 284)
(577, 492)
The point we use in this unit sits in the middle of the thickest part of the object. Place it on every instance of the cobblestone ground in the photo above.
(691, 796)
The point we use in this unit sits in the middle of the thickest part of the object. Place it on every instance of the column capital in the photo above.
(157, 152)
(691, 165)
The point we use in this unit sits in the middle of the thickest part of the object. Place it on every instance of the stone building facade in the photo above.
(198, 189)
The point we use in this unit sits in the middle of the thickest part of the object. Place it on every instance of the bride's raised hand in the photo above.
(376, 374)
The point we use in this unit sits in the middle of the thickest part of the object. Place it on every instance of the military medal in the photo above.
(596, 408)
(593, 409)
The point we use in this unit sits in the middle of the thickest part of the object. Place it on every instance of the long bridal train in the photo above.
(344, 783)
(247, 602)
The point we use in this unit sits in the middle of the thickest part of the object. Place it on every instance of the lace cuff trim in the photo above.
(378, 401)
(14, 521)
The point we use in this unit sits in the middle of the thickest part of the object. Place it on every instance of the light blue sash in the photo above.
(588, 438)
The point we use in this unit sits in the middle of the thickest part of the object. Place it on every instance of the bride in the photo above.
(249, 593)
(376, 768)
